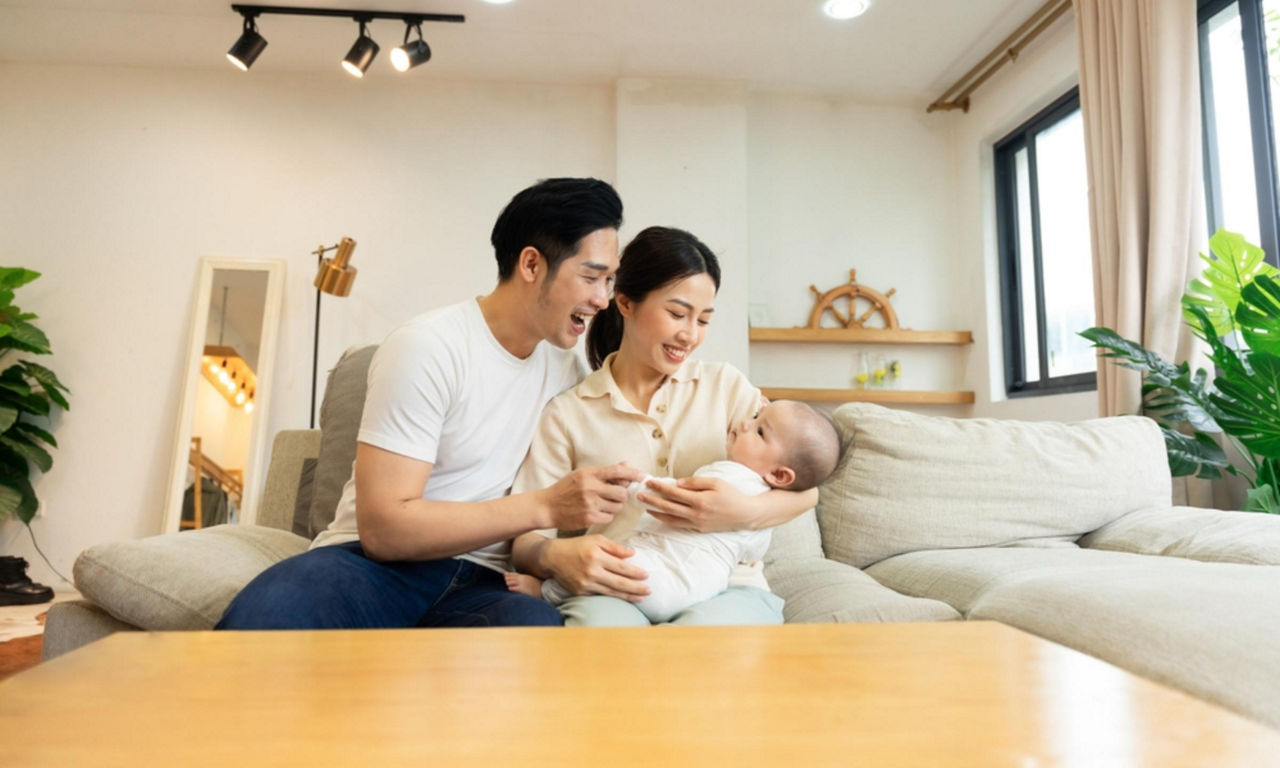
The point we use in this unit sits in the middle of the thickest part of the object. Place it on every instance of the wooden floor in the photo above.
(22, 633)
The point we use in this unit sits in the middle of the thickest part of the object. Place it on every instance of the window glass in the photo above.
(1027, 267)
(1235, 187)
(1065, 250)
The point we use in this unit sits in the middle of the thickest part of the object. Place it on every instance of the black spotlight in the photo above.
(248, 47)
(361, 54)
(411, 54)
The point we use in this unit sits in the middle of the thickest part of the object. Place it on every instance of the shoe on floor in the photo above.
(16, 588)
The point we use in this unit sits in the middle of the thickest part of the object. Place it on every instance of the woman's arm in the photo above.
(708, 504)
(583, 564)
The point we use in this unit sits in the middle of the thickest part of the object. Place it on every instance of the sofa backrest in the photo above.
(908, 482)
(340, 413)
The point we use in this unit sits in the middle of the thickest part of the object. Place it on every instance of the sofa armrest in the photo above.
(1211, 535)
(289, 452)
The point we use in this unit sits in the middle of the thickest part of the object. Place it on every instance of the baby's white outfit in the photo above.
(685, 568)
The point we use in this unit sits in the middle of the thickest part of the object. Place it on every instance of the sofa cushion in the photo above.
(961, 577)
(340, 414)
(908, 482)
(1208, 629)
(1210, 535)
(821, 590)
(180, 580)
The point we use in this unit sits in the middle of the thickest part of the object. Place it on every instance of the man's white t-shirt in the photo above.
(443, 390)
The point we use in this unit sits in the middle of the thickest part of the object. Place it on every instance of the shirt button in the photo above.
(657, 434)
(661, 408)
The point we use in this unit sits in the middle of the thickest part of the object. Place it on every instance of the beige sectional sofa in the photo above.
(1064, 531)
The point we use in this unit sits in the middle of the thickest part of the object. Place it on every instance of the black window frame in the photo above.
(1257, 76)
(1015, 380)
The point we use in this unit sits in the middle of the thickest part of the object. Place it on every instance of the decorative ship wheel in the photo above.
(852, 293)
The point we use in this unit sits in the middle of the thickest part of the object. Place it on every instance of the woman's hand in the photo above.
(702, 504)
(595, 565)
(708, 504)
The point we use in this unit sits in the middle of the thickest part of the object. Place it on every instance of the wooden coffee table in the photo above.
(964, 693)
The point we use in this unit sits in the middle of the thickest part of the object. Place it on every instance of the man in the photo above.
(422, 532)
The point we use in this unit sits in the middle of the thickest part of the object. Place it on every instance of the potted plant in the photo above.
(28, 394)
(1234, 306)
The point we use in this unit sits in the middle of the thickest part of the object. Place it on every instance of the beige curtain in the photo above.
(1140, 98)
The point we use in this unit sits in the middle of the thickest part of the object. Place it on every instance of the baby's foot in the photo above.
(524, 584)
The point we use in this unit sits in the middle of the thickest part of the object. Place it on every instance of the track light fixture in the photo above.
(248, 47)
(361, 55)
(357, 61)
(411, 54)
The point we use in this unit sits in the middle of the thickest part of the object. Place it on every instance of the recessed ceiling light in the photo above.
(845, 9)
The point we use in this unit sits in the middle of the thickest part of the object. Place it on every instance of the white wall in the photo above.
(1042, 73)
(838, 185)
(682, 162)
(114, 182)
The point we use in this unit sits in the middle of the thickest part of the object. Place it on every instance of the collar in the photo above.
(600, 382)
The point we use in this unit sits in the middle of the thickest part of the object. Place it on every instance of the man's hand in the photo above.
(595, 565)
(702, 504)
(588, 496)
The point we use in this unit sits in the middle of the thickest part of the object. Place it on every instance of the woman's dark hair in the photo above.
(656, 257)
(553, 216)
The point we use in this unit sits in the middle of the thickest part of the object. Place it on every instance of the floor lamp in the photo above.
(335, 277)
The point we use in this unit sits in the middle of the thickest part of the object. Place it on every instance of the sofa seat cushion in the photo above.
(908, 482)
(180, 581)
(960, 577)
(1210, 535)
(820, 590)
(1208, 629)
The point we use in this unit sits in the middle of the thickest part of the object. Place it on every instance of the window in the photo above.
(1238, 91)
(1046, 262)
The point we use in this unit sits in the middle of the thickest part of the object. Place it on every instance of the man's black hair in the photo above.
(553, 216)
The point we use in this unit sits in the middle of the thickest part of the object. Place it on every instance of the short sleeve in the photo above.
(413, 380)
(742, 397)
(550, 456)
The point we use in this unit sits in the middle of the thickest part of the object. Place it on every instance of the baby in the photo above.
(786, 445)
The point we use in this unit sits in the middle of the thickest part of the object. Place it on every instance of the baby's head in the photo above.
(791, 445)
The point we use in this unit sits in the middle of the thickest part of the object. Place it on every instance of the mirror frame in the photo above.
(255, 467)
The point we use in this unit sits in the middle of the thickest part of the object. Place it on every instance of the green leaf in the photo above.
(1233, 265)
(1262, 499)
(1171, 394)
(8, 417)
(26, 337)
(17, 497)
(46, 378)
(34, 431)
(1250, 403)
(17, 387)
(16, 277)
(1258, 315)
(28, 450)
(1193, 454)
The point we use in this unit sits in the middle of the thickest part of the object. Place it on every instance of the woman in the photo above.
(647, 403)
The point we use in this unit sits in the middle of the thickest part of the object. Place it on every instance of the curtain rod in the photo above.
(957, 96)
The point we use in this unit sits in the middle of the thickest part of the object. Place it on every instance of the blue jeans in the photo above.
(736, 606)
(337, 587)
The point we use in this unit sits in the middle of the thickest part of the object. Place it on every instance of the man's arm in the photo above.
(395, 523)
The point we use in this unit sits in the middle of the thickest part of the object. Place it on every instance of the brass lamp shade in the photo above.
(336, 275)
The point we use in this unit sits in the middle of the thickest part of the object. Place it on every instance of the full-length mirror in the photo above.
(219, 454)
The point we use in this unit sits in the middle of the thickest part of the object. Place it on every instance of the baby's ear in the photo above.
(782, 477)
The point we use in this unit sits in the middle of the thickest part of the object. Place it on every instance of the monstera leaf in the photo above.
(1197, 454)
(1171, 394)
(1258, 315)
(1234, 264)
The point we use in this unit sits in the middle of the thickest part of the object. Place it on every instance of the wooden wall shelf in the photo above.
(882, 396)
(860, 336)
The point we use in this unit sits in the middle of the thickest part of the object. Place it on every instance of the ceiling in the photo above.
(900, 51)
